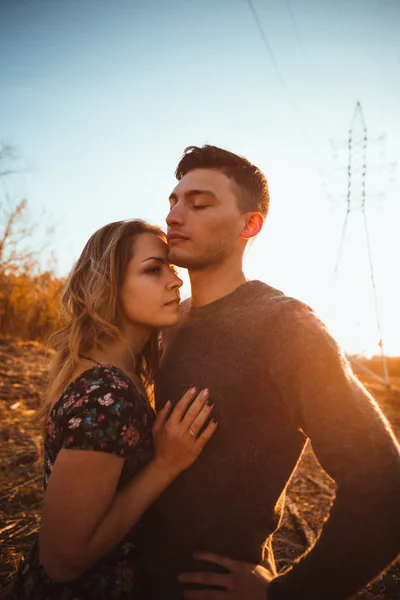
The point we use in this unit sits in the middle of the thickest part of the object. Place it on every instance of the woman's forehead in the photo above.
(147, 245)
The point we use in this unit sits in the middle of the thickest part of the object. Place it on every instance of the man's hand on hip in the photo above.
(245, 580)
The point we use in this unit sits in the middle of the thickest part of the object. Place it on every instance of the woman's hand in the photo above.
(244, 582)
(177, 438)
(85, 515)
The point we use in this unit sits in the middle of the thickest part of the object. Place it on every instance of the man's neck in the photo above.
(208, 285)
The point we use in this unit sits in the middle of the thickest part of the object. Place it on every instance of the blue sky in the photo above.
(100, 98)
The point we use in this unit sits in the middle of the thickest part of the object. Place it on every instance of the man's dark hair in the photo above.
(251, 182)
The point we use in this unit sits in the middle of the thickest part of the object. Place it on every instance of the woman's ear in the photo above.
(252, 225)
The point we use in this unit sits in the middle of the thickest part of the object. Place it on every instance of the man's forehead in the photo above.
(199, 179)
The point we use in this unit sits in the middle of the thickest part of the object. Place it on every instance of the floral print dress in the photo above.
(101, 411)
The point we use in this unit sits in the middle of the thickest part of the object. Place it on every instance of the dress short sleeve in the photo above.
(101, 417)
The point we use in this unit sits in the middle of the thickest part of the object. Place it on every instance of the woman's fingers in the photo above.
(182, 406)
(200, 420)
(176, 444)
(207, 433)
(194, 409)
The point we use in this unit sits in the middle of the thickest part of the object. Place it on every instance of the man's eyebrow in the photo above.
(161, 260)
(192, 193)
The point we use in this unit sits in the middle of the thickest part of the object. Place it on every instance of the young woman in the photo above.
(107, 457)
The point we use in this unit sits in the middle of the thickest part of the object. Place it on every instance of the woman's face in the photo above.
(150, 290)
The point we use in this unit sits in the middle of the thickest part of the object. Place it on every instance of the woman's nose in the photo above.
(175, 282)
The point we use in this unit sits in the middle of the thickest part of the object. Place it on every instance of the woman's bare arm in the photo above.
(83, 516)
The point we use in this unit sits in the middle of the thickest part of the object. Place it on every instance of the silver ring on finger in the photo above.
(192, 433)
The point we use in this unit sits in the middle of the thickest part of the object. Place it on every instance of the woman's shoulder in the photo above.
(105, 375)
(100, 377)
(103, 385)
(101, 409)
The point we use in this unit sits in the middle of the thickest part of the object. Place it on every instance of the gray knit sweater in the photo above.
(277, 378)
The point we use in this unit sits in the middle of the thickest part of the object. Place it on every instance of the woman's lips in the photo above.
(172, 302)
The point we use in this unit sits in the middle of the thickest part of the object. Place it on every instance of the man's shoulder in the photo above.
(285, 318)
(256, 301)
(268, 299)
(185, 305)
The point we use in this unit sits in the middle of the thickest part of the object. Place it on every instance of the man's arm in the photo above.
(355, 445)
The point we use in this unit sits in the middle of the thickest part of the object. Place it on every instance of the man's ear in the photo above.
(252, 225)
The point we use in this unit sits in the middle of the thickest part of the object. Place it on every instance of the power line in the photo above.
(296, 31)
(303, 133)
(270, 52)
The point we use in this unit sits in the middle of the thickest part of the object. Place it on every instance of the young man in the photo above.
(277, 378)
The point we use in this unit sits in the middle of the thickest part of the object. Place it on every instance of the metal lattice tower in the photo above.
(356, 201)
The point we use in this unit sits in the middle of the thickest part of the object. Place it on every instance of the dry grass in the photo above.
(29, 303)
(21, 380)
(22, 368)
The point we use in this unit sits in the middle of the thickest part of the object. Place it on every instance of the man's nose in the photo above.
(175, 216)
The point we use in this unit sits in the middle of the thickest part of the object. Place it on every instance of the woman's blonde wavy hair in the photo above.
(90, 307)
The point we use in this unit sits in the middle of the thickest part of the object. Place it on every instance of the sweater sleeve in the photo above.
(355, 445)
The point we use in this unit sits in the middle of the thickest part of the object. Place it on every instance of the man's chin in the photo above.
(186, 262)
(177, 259)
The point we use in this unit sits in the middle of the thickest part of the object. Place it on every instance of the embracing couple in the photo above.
(172, 430)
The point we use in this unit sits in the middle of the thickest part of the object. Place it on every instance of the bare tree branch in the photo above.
(13, 226)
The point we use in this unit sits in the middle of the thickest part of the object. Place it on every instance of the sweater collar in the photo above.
(240, 293)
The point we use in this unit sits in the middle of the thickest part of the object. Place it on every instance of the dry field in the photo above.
(22, 367)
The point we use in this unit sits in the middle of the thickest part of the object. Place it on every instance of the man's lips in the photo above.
(176, 237)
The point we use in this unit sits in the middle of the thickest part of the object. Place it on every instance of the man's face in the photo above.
(204, 221)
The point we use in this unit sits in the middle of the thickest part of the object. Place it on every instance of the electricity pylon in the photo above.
(356, 202)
